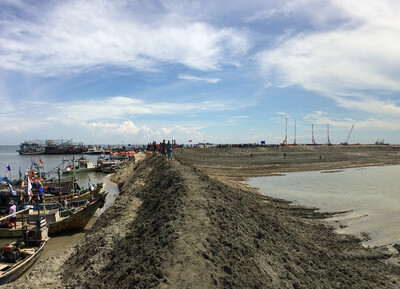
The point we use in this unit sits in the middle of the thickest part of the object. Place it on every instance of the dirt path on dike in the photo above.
(178, 226)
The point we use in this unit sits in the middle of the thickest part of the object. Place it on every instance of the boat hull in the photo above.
(10, 233)
(30, 153)
(21, 267)
(75, 221)
(78, 171)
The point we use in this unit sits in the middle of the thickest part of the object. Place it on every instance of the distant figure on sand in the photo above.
(169, 151)
(284, 155)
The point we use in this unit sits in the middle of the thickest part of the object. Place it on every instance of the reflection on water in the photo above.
(371, 194)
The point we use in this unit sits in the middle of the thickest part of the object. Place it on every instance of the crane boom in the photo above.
(350, 133)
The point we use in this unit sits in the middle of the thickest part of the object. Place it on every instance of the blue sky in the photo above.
(222, 72)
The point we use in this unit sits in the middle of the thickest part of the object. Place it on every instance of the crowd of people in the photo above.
(164, 148)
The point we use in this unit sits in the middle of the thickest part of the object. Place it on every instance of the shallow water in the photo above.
(371, 194)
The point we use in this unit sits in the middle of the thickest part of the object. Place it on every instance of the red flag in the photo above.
(190, 140)
(40, 160)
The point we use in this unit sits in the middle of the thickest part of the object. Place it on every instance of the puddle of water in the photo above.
(371, 194)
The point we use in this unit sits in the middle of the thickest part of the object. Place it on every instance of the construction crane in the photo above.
(329, 141)
(284, 143)
(347, 141)
(294, 143)
(312, 140)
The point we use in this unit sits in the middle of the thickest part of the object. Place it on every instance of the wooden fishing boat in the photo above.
(62, 195)
(61, 218)
(31, 148)
(17, 257)
(78, 196)
(73, 219)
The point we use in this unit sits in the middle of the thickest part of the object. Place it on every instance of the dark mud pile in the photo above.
(175, 227)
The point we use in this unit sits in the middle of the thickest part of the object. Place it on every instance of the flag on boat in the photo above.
(68, 168)
(190, 140)
(8, 169)
(263, 142)
(30, 188)
(41, 190)
(20, 174)
(91, 188)
(12, 191)
(40, 160)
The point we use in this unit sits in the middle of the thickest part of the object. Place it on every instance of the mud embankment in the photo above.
(172, 226)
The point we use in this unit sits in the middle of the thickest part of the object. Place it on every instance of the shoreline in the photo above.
(358, 206)
(190, 224)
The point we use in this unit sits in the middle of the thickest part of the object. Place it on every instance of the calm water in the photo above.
(9, 155)
(371, 194)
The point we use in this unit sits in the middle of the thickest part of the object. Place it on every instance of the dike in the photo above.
(172, 226)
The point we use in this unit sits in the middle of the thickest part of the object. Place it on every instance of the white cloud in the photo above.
(196, 78)
(126, 128)
(113, 115)
(75, 36)
(322, 119)
(360, 58)
(129, 130)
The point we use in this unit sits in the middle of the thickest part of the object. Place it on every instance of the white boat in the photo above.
(81, 165)
(95, 151)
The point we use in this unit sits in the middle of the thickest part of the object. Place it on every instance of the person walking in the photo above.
(163, 147)
(169, 151)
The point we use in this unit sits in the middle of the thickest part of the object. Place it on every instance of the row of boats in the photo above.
(104, 164)
(42, 208)
(51, 147)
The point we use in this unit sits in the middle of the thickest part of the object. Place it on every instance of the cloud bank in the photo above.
(70, 37)
(351, 63)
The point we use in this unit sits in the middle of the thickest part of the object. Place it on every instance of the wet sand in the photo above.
(193, 224)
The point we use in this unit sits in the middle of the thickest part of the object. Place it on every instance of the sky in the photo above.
(227, 71)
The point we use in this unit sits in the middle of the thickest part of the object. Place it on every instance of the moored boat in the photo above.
(60, 219)
(31, 148)
(81, 165)
(73, 219)
(63, 147)
(17, 257)
(95, 151)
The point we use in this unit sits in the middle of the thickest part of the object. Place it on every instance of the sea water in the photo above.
(369, 196)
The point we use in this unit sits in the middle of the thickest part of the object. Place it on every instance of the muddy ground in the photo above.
(191, 224)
